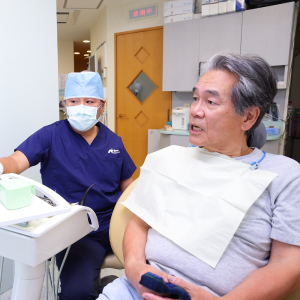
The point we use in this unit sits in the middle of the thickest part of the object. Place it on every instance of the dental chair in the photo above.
(122, 215)
(119, 220)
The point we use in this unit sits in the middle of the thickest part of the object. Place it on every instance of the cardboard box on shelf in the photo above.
(222, 7)
(178, 18)
(178, 3)
(205, 10)
(178, 11)
(213, 9)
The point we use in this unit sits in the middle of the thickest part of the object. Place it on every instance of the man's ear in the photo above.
(250, 117)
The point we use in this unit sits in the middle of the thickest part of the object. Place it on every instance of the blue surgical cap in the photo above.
(84, 85)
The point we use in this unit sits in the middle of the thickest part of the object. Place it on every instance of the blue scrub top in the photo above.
(69, 165)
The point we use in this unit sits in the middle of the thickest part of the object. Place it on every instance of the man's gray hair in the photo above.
(256, 82)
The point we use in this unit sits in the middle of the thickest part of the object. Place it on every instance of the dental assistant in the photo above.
(74, 154)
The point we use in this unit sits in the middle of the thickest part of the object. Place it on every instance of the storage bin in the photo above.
(15, 193)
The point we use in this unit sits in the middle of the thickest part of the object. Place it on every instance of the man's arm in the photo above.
(125, 183)
(276, 280)
(134, 244)
(16, 163)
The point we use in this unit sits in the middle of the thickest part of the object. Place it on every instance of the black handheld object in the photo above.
(156, 283)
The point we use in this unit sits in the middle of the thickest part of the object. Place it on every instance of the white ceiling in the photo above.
(82, 15)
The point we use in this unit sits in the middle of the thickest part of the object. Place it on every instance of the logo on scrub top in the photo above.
(113, 151)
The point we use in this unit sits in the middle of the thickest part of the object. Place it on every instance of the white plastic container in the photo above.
(180, 118)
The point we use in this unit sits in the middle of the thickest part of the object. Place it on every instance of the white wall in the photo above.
(98, 35)
(117, 21)
(28, 71)
(65, 50)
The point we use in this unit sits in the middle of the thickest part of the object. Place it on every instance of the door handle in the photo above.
(121, 115)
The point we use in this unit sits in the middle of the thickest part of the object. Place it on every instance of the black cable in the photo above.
(82, 201)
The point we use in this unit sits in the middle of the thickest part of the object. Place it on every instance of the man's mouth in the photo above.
(196, 128)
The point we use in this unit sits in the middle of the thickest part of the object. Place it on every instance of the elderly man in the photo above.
(221, 219)
(74, 154)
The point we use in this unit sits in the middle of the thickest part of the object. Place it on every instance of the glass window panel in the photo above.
(142, 87)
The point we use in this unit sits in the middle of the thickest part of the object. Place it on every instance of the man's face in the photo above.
(88, 102)
(214, 123)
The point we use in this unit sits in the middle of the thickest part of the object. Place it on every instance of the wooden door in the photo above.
(139, 60)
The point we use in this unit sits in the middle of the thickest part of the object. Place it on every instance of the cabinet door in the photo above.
(220, 33)
(267, 32)
(180, 55)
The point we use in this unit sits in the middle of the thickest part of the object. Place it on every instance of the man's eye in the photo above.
(211, 102)
(196, 99)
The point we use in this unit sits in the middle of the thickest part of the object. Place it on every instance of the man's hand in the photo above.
(196, 292)
(135, 273)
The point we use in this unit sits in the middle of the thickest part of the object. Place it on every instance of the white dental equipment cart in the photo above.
(65, 224)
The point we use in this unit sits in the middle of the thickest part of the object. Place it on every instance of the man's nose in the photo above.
(197, 110)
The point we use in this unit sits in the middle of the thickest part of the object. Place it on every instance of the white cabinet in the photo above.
(267, 32)
(180, 55)
(159, 139)
(220, 33)
(167, 140)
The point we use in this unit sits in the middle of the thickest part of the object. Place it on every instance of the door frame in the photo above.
(116, 35)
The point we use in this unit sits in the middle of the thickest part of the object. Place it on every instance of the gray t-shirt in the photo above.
(275, 215)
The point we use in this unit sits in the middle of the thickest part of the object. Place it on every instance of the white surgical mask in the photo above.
(82, 117)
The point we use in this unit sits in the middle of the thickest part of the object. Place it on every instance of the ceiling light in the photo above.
(89, 51)
(76, 52)
(86, 41)
(85, 55)
(86, 4)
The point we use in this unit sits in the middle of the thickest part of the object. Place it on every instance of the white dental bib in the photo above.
(196, 198)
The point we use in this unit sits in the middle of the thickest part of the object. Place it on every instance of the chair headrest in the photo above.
(258, 137)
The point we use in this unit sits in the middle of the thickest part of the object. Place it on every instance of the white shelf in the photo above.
(175, 132)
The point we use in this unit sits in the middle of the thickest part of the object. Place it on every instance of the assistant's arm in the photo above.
(15, 163)
(134, 244)
(125, 183)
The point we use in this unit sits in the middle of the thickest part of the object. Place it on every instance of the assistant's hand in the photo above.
(135, 272)
(196, 292)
